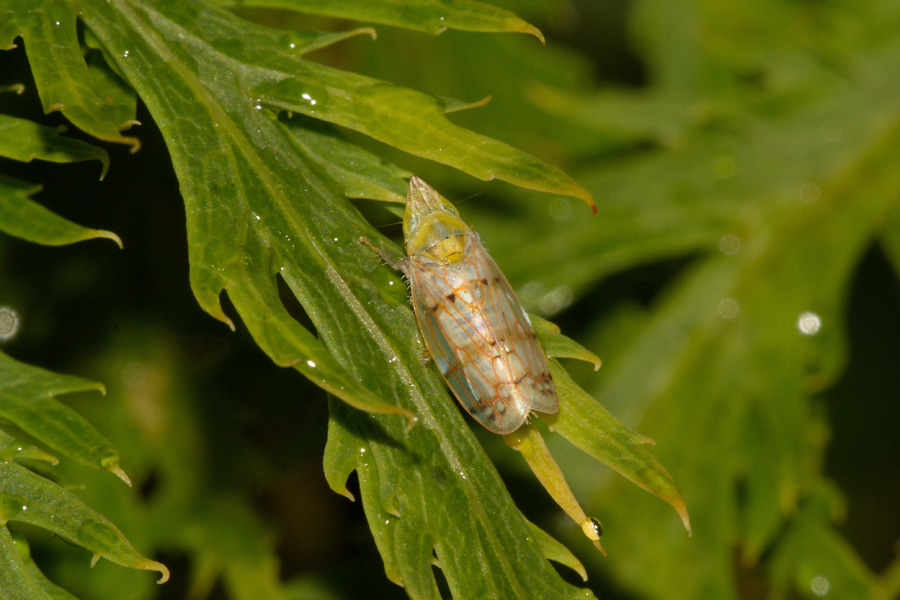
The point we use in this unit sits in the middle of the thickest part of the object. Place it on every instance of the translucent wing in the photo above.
(481, 338)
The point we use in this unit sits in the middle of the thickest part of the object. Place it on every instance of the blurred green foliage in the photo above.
(740, 282)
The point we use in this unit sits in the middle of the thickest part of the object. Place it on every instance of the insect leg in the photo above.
(393, 260)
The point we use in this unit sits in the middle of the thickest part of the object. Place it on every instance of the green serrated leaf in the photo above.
(18, 579)
(557, 345)
(61, 75)
(256, 210)
(412, 121)
(23, 218)
(726, 371)
(816, 561)
(557, 552)
(291, 344)
(119, 100)
(241, 554)
(13, 449)
(29, 498)
(527, 440)
(207, 283)
(432, 16)
(409, 120)
(341, 456)
(24, 140)
(416, 494)
(758, 150)
(359, 173)
(51, 589)
(585, 423)
(27, 400)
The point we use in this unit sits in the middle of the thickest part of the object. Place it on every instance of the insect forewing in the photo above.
(472, 321)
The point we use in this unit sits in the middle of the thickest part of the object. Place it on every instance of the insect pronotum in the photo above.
(473, 324)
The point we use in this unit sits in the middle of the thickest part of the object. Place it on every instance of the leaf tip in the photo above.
(592, 528)
(134, 142)
(100, 233)
(104, 161)
(215, 311)
(343, 491)
(161, 569)
(148, 565)
(366, 30)
(536, 33)
(117, 470)
(477, 104)
(676, 501)
(681, 509)
(16, 88)
(450, 105)
(581, 193)
(593, 359)
(126, 125)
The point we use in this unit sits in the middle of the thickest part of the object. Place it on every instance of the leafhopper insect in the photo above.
(474, 325)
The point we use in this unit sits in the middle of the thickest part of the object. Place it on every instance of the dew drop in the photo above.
(561, 209)
(809, 323)
(819, 585)
(592, 528)
(728, 308)
(9, 323)
(729, 244)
